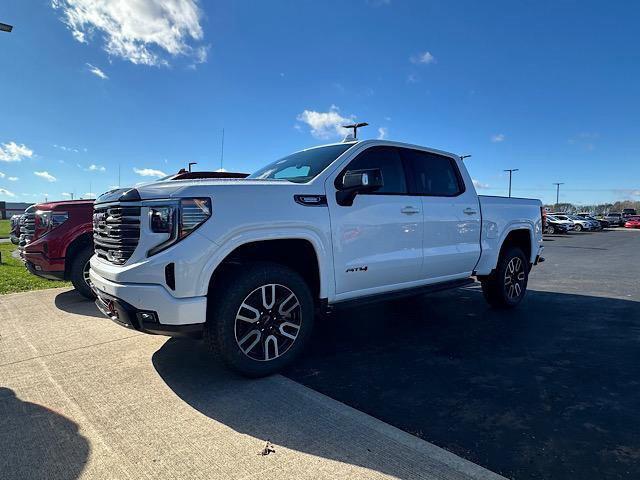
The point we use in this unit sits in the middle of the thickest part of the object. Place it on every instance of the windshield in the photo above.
(303, 166)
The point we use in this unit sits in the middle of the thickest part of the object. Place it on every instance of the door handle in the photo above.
(469, 211)
(410, 210)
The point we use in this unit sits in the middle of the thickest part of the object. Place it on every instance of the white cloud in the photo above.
(142, 31)
(424, 58)
(382, 133)
(2, 175)
(325, 125)
(89, 195)
(46, 175)
(67, 194)
(149, 172)
(498, 137)
(478, 184)
(95, 168)
(97, 72)
(66, 149)
(413, 78)
(12, 152)
(6, 193)
(13, 179)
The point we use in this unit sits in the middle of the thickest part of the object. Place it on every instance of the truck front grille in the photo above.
(116, 232)
(27, 228)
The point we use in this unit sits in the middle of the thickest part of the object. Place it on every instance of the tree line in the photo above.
(598, 209)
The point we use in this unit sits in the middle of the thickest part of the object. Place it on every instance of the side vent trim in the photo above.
(311, 200)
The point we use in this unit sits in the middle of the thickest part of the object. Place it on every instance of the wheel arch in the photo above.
(520, 234)
(302, 251)
(79, 243)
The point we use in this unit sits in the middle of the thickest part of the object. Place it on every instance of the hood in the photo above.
(64, 204)
(183, 188)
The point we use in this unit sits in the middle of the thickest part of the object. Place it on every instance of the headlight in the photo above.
(178, 220)
(46, 221)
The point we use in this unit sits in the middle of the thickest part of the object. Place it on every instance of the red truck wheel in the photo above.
(79, 272)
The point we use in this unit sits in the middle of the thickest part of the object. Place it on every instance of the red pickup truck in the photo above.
(59, 242)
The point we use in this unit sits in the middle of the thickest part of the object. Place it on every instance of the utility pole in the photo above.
(557, 184)
(118, 175)
(511, 170)
(192, 163)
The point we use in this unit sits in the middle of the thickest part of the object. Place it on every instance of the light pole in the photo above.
(5, 28)
(192, 163)
(557, 184)
(511, 170)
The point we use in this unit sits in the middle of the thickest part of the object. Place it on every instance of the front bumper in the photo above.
(149, 308)
(49, 275)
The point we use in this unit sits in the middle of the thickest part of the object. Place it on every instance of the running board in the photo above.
(409, 292)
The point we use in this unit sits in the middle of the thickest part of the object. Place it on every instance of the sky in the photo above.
(97, 93)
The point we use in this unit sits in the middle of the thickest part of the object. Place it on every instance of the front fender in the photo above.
(320, 246)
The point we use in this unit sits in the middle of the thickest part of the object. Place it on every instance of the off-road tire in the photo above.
(77, 272)
(223, 307)
(494, 286)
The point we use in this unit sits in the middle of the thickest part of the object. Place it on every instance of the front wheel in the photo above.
(578, 227)
(507, 284)
(79, 272)
(261, 319)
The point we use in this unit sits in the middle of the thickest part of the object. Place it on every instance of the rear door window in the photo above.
(432, 174)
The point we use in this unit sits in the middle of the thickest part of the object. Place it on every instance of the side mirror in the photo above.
(358, 181)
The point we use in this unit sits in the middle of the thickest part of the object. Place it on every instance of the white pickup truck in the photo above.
(250, 263)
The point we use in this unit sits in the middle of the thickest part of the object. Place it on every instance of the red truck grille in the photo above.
(116, 232)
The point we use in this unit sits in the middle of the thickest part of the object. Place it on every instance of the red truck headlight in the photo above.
(47, 220)
(177, 219)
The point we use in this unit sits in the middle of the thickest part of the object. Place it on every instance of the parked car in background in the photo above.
(556, 225)
(629, 212)
(587, 223)
(615, 219)
(59, 242)
(553, 225)
(14, 229)
(601, 221)
(248, 262)
(632, 222)
(579, 224)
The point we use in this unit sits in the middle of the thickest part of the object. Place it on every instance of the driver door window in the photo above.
(388, 160)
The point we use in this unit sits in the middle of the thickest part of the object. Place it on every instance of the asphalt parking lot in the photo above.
(550, 390)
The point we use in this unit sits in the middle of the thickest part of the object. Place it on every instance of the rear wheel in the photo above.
(578, 227)
(79, 272)
(261, 319)
(507, 284)
(551, 229)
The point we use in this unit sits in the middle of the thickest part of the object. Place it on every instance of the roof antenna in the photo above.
(353, 136)
(222, 153)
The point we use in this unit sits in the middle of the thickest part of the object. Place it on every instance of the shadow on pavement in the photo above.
(549, 390)
(263, 411)
(38, 443)
(72, 302)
